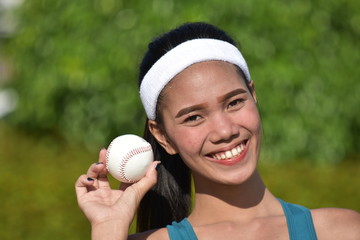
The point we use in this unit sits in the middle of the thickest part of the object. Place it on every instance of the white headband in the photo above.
(181, 57)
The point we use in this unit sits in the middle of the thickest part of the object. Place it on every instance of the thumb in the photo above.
(133, 193)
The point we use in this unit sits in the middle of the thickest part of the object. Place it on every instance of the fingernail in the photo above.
(90, 179)
(98, 163)
(157, 165)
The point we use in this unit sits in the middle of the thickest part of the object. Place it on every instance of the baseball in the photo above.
(128, 157)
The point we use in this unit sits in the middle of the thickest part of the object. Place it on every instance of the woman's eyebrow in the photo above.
(190, 109)
(231, 94)
(197, 107)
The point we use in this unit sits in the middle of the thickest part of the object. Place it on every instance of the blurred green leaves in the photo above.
(76, 68)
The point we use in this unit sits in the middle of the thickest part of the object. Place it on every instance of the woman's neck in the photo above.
(216, 202)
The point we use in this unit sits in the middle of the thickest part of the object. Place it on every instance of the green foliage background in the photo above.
(74, 66)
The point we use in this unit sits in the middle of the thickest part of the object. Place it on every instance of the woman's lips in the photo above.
(231, 156)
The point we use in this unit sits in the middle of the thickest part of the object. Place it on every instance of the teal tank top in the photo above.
(298, 218)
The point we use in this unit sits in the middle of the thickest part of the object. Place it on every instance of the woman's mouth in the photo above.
(231, 156)
(231, 153)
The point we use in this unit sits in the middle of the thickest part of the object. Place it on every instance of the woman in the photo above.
(202, 122)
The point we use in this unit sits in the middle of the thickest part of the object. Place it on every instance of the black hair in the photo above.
(170, 199)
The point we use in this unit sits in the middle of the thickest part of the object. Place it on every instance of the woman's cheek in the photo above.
(188, 138)
(252, 118)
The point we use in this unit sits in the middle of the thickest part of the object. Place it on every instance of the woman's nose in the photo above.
(222, 128)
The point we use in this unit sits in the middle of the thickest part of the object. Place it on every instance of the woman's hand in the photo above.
(110, 211)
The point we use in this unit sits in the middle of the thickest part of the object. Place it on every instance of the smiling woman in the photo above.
(203, 122)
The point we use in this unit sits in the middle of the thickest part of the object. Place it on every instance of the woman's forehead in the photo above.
(204, 80)
(197, 75)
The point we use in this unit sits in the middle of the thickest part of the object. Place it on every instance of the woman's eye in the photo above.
(235, 103)
(192, 118)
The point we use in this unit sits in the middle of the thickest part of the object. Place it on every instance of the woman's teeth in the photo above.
(230, 153)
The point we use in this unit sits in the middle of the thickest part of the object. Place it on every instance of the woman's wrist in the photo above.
(110, 230)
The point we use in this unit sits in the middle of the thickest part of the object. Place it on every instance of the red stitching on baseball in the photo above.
(130, 155)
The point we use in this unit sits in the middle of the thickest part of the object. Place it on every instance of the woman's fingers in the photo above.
(95, 169)
(98, 171)
(82, 185)
(103, 181)
(88, 181)
(96, 177)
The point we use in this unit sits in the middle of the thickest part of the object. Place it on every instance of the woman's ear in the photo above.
(252, 90)
(158, 132)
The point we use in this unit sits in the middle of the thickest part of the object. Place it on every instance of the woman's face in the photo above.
(211, 119)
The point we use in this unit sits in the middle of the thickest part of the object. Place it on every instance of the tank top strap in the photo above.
(181, 230)
(299, 221)
(298, 218)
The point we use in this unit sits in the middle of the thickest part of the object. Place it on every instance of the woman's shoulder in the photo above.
(336, 223)
(158, 234)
